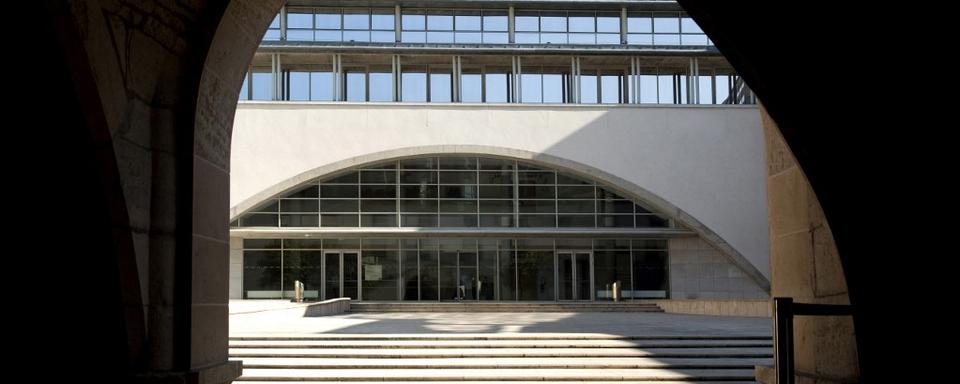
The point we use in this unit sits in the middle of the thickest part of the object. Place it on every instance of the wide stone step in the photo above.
(496, 336)
(493, 363)
(528, 382)
(488, 344)
(424, 375)
(716, 352)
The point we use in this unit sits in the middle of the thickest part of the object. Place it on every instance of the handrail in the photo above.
(784, 310)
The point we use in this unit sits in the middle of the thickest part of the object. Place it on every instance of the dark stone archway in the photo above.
(134, 108)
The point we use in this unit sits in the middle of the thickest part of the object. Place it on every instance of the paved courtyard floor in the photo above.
(282, 317)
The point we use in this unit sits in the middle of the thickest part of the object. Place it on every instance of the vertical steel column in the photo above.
(783, 344)
(517, 90)
(395, 76)
(337, 74)
(397, 19)
(575, 74)
(623, 25)
(634, 80)
(283, 23)
(511, 30)
(275, 75)
(456, 72)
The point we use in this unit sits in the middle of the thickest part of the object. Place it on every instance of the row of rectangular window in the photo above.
(455, 244)
(453, 220)
(595, 88)
(487, 26)
(455, 191)
(314, 206)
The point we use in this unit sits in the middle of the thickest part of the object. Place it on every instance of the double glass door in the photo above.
(458, 276)
(341, 274)
(575, 270)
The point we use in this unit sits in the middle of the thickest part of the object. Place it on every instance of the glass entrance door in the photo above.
(573, 269)
(341, 277)
(458, 276)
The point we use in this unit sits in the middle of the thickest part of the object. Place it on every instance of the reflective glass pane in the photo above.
(439, 37)
(299, 20)
(383, 21)
(496, 84)
(608, 23)
(468, 37)
(356, 86)
(413, 37)
(414, 87)
(341, 191)
(582, 23)
(440, 88)
(321, 86)
(553, 23)
(531, 91)
(471, 88)
(439, 22)
(327, 20)
(299, 86)
(496, 220)
(553, 88)
(502, 206)
(639, 24)
(666, 23)
(356, 36)
(468, 22)
(496, 192)
(418, 206)
(339, 221)
(413, 22)
(495, 38)
(610, 89)
(418, 191)
(687, 25)
(356, 21)
(262, 86)
(378, 191)
(588, 89)
(336, 206)
(527, 38)
(494, 22)
(529, 23)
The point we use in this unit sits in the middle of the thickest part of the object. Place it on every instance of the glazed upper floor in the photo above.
(612, 25)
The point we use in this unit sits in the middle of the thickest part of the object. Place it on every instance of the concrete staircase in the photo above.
(481, 306)
(439, 358)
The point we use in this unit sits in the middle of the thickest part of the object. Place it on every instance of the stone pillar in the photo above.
(805, 266)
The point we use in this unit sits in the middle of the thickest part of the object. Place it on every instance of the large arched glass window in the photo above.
(453, 191)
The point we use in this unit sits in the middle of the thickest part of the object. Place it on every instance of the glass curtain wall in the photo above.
(455, 269)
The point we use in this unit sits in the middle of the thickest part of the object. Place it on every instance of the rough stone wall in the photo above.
(166, 76)
(805, 266)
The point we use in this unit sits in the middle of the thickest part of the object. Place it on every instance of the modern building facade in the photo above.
(475, 151)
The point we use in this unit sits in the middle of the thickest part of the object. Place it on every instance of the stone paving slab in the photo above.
(448, 363)
(514, 352)
(285, 322)
(391, 344)
(496, 374)
(528, 382)
(488, 336)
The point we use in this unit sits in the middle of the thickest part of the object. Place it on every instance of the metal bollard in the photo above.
(297, 291)
(616, 291)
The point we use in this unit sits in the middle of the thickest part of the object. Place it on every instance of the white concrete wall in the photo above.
(707, 161)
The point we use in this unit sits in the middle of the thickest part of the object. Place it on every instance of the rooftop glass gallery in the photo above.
(475, 56)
